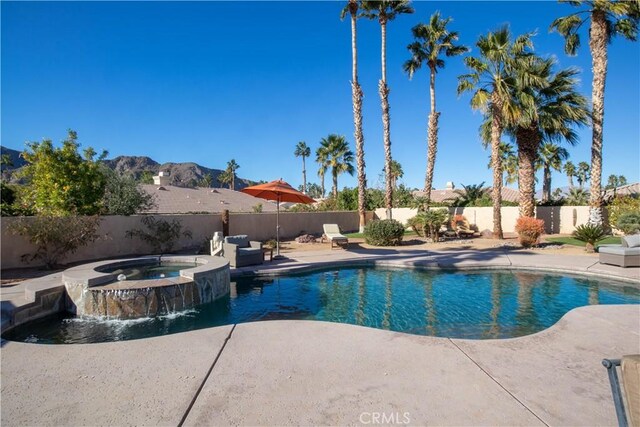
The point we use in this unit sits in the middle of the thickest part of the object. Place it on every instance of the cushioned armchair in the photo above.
(240, 251)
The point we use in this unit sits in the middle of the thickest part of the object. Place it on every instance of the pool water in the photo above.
(478, 305)
(152, 271)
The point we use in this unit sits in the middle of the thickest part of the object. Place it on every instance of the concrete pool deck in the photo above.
(316, 373)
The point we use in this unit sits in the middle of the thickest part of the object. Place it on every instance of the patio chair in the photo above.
(625, 255)
(626, 396)
(240, 251)
(332, 233)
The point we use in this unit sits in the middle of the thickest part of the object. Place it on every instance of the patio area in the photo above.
(305, 372)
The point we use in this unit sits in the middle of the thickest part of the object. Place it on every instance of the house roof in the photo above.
(447, 194)
(172, 200)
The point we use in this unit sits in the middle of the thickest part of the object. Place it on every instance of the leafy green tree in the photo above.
(5, 161)
(402, 197)
(338, 158)
(385, 11)
(146, 177)
(123, 196)
(608, 18)
(492, 75)
(303, 150)
(61, 180)
(313, 190)
(433, 40)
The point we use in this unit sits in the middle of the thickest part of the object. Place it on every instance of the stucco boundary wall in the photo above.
(557, 219)
(114, 243)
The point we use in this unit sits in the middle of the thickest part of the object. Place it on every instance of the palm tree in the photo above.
(577, 197)
(570, 170)
(550, 157)
(549, 110)
(232, 167)
(356, 98)
(608, 19)
(385, 11)
(583, 173)
(321, 158)
(471, 194)
(492, 76)
(338, 157)
(396, 172)
(302, 150)
(509, 163)
(432, 40)
(614, 182)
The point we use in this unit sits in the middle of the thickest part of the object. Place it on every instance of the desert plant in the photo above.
(257, 208)
(161, 235)
(386, 232)
(434, 219)
(629, 223)
(417, 224)
(529, 230)
(590, 234)
(56, 236)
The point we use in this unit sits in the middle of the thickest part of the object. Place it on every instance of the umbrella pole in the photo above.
(278, 226)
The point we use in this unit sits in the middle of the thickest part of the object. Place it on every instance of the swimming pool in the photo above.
(477, 305)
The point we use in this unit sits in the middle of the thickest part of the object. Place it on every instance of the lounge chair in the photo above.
(332, 233)
(626, 396)
(625, 255)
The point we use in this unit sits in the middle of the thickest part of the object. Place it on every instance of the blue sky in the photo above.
(211, 81)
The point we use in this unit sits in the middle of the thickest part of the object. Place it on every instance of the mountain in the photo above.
(182, 174)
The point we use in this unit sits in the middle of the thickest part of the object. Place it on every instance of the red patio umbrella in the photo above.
(279, 191)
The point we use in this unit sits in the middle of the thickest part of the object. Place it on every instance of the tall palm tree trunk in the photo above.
(322, 183)
(304, 176)
(546, 183)
(496, 133)
(570, 178)
(432, 136)
(528, 142)
(334, 173)
(598, 45)
(383, 89)
(356, 97)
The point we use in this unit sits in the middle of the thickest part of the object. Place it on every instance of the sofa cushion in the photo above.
(618, 250)
(242, 240)
(249, 251)
(632, 241)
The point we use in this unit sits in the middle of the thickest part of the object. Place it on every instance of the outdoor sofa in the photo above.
(625, 255)
(240, 251)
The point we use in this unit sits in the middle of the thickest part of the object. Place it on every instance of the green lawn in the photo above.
(361, 235)
(575, 242)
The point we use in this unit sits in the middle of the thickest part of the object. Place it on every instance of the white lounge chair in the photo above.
(332, 233)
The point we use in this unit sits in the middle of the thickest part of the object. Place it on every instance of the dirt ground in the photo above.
(11, 277)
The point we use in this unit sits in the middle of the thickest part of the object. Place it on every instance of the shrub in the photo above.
(622, 205)
(629, 223)
(386, 232)
(434, 219)
(417, 224)
(529, 230)
(56, 236)
(123, 196)
(161, 234)
(590, 234)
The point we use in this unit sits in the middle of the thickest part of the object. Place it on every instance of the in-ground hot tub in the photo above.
(143, 287)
